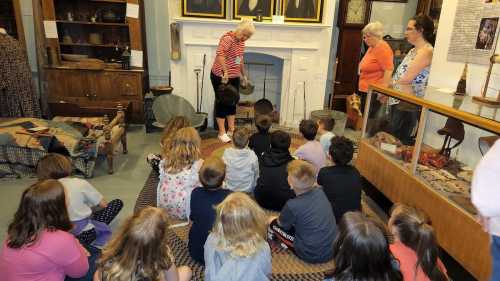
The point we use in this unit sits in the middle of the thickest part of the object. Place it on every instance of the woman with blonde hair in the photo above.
(179, 173)
(229, 68)
(139, 251)
(377, 64)
(236, 249)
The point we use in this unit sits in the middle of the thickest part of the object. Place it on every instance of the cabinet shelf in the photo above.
(92, 23)
(110, 1)
(91, 45)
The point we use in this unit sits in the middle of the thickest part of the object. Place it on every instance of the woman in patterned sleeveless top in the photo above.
(229, 68)
(414, 70)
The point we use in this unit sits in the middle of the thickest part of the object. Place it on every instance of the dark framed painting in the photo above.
(303, 10)
(251, 8)
(204, 8)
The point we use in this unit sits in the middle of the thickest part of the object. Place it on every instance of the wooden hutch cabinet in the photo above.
(84, 65)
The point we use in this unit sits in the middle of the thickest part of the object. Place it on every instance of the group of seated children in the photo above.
(230, 233)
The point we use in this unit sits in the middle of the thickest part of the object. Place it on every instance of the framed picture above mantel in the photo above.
(253, 8)
(302, 10)
(204, 8)
(396, 1)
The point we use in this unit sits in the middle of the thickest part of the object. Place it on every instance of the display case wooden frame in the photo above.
(452, 223)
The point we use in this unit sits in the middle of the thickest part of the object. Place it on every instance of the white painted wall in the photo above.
(445, 74)
(394, 16)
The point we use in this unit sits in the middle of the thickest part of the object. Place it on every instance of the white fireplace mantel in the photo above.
(304, 49)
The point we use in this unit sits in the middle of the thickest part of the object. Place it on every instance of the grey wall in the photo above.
(158, 40)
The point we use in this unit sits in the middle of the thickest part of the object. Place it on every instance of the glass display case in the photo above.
(420, 146)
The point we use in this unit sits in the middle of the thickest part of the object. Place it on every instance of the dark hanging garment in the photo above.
(17, 97)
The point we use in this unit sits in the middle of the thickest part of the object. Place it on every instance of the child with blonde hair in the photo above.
(179, 173)
(415, 245)
(236, 248)
(171, 128)
(139, 251)
(306, 224)
(242, 165)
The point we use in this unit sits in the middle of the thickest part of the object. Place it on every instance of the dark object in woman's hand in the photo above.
(227, 95)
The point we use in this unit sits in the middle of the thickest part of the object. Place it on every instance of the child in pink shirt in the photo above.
(39, 246)
(415, 244)
(312, 151)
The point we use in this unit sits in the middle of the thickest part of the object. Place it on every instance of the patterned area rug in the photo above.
(213, 146)
(286, 266)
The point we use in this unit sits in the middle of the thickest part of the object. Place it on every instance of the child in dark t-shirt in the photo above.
(203, 200)
(306, 224)
(341, 182)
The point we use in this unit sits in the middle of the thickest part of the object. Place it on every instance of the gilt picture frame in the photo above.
(204, 8)
(251, 8)
(303, 10)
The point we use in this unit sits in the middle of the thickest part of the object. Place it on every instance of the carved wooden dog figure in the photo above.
(354, 115)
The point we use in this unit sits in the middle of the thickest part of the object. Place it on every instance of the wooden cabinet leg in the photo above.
(124, 142)
(109, 158)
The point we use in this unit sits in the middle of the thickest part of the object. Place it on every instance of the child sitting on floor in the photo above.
(236, 249)
(311, 151)
(179, 173)
(38, 244)
(341, 182)
(260, 141)
(139, 251)
(325, 128)
(242, 165)
(272, 190)
(415, 245)
(203, 200)
(90, 227)
(306, 224)
(171, 128)
(362, 252)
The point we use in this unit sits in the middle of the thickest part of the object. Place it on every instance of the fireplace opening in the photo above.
(265, 72)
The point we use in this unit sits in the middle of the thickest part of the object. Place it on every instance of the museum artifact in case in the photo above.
(419, 146)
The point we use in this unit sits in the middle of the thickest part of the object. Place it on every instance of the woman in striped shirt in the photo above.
(229, 68)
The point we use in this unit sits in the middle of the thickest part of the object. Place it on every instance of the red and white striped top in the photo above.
(232, 50)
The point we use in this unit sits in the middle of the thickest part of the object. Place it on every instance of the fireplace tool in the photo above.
(264, 106)
(305, 100)
(199, 92)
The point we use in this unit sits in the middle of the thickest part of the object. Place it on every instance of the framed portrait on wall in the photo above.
(251, 8)
(397, 1)
(204, 8)
(303, 10)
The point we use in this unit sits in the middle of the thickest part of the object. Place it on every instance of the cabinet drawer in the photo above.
(67, 83)
(129, 85)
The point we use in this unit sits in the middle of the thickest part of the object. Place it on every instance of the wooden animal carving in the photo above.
(354, 115)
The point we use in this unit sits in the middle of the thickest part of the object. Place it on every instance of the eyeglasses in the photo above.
(410, 28)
